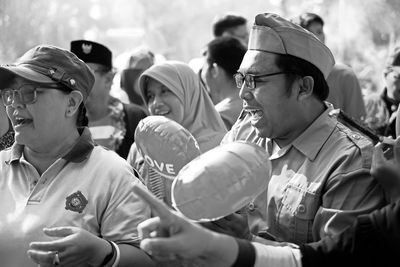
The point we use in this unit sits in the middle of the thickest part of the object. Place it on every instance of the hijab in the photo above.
(200, 116)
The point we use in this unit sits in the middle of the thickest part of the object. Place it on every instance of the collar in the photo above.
(314, 137)
(78, 153)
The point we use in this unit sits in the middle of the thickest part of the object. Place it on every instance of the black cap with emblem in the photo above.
(92, 52)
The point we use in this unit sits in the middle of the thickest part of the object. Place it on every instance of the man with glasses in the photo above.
(64, 201)
(111, 122)
(320, 168)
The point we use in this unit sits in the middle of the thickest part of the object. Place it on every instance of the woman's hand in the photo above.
(74, 247)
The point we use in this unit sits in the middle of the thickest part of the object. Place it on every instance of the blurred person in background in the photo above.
(381, 107)
(222, 59)
(6, 129)
(65, 201)
(228, 24)
(111, 122)
(138, 61)
(231, 24)
(344, 87)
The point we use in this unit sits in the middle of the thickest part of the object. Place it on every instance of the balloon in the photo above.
(165, 145)
(221, 181)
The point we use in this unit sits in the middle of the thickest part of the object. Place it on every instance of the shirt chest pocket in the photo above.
(300, 205)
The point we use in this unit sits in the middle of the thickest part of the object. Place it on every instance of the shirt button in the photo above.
(355, 136)
(251, 206)
(301, 208)
(34, 183)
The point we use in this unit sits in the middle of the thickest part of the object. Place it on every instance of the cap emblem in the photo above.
(72, 82)
(86, 48)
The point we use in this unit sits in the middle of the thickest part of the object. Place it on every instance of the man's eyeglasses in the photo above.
(27, 93)
(250, 80)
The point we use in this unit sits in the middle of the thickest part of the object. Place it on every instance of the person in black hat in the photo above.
(111, 122)
(64, 201)
(381, 107)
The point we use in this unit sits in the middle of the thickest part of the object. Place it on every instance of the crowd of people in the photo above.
(76, 190)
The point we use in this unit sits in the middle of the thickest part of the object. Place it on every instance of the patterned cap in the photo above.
(50, 64)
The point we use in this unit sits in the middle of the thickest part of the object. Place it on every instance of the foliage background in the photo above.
(360, 33)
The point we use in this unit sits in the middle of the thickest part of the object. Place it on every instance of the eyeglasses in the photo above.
(250, 80)
(27, 93)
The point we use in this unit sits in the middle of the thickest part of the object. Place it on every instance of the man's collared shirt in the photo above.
(89, 187)
(319, 183)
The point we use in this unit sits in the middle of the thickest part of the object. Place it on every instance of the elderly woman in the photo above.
(173, 90)
(64, 201)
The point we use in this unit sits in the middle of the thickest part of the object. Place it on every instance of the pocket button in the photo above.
(251, 206)
(301, 208)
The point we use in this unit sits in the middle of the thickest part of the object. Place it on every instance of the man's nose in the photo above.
(245, 93)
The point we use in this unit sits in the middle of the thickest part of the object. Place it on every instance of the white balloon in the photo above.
(221, 181)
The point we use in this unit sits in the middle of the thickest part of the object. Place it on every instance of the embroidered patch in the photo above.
(76, 202)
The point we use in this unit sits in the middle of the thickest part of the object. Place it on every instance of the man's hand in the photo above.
(170, 236)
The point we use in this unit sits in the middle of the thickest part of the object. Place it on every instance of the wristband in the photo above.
(112, 259)
(109, 256)
(246, 254)
(117, 254)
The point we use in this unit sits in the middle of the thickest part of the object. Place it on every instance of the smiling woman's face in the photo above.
(162, 101)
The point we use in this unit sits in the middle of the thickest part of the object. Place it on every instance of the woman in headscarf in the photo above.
(173, 90)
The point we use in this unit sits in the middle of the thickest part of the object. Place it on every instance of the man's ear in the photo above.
(306, 87)
(215, 71)
(75, 99)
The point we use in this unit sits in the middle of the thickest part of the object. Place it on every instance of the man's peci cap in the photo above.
(274, 34)
(49, 64)
(92, 52)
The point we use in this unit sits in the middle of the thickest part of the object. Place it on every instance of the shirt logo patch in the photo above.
(86, 48)
(76, 202)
